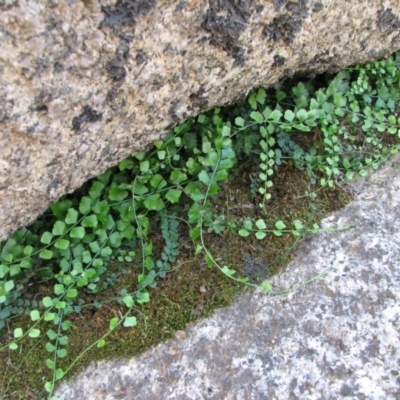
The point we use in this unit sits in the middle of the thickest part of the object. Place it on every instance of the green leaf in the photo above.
(68, 280)
(266, 286)
(140, 189)
(90, 221)
(71, 293)
(72, 216)
(50, 347)
(128, 300)
(46, 254)
(130, 321)
(113, 323)
(86, 257)
(101, 343)
(18, 332)
(289, 115)
(302, 127)
(48, 385)
(3, 270)
(227, 271)
(28, 250)
(194, 191)
(270, 127)
(298, 225)
(243, 232)
(260, 223)
(194, 213)
(15, 269)
(8, 286)
(261, 95)
(226, 131)
(60, 208)
(126, 164)
(260, 235)
(115, 239)
(140, 155)
(59, 373)
(90, 273)
(248, 225)
(96, 190)
(209, 260)
(61, 244)
(280, 96)
(153, 202)
(280, 225)
(173, 195)
(158, 182)
(49, 316)
(77, 232)
(61, 353)
(177, 176)
(94, 246)
(59, 289)
(117, 194)
(161, 154)
(144, 166)
(221, 175)
(81, 282)
(257, 116)
(106, 251)
(275, 116)
(34, 333)
(204, 177)
(66, 325)
(142, 297)
(25, 264)
(239, 121)
(60, 305)
(98, 262)
(207, 147)
(194, 233)
(350, 175)
(85, 205)
(63, 340)
(46, 238)
(13, 346)
(301, 115)
(35, 315)
(252, 101)
(58, 228)
(51, 334)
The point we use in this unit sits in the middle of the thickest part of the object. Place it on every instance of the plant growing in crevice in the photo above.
(333, 132)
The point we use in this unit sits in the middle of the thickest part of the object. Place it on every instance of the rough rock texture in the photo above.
(338, 337)
(85, 83)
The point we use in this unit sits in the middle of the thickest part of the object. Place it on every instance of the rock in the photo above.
(84, 84)
(335, 337)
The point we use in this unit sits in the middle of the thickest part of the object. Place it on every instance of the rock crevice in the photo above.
(337, 337)
(84, 84)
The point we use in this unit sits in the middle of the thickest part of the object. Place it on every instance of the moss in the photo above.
(190, 291)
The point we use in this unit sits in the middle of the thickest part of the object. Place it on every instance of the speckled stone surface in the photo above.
(338, 337)
(84, 84)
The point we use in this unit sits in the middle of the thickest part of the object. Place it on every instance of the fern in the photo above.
(169, 231)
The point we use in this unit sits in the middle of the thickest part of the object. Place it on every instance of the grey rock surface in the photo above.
(337, 337)
(84, 84)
